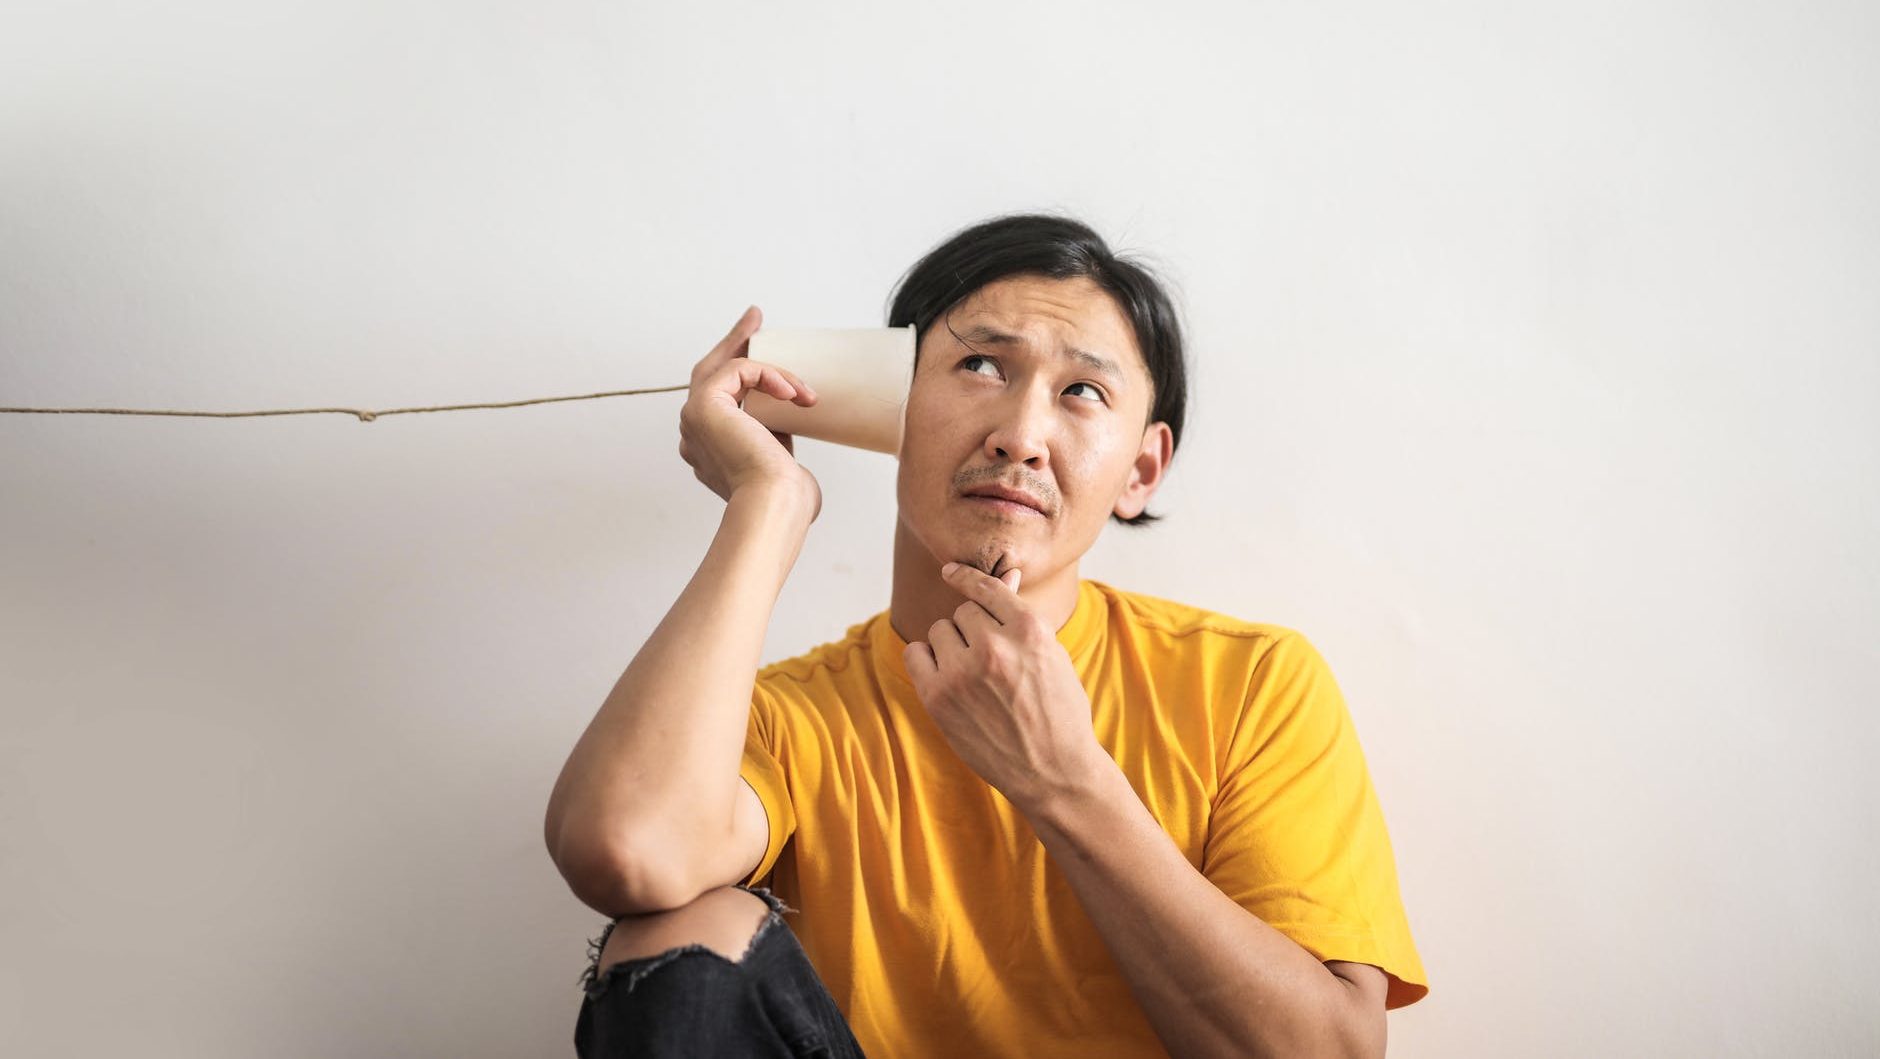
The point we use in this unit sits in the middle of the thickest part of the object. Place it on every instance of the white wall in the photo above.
(1535, 379)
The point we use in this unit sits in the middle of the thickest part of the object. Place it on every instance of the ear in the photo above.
(1158, 448)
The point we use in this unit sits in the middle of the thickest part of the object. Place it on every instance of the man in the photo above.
(1018, 813)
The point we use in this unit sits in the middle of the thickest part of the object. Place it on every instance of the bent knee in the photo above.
(723, 920)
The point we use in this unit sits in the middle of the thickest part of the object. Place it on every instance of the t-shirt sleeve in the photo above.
(1297, 836)
(762, 768)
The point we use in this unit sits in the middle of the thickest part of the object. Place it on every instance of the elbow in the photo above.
(616, 880)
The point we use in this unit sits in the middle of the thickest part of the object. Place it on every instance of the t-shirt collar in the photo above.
(1079, 635)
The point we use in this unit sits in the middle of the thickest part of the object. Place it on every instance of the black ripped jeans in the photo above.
(691, 1001)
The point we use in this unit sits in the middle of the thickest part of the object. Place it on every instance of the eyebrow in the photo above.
(994, 336)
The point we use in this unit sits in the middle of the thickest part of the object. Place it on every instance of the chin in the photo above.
(994, 556)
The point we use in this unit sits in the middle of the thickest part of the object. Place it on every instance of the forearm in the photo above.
(658, 765)
(1213, 979)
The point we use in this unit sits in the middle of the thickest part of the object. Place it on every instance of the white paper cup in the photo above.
(861, 376)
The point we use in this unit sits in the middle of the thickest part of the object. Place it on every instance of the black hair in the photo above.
(1059, 247)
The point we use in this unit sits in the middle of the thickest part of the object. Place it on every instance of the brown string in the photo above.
(364, 415)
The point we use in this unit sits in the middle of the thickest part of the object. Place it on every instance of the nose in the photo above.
(1021, 432)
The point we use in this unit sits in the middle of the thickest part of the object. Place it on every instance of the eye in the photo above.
(980, 356)
(970, 359)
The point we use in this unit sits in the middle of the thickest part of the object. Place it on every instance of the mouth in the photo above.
(1003, 503)
(1005, 507)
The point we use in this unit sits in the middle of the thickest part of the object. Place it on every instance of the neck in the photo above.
(922, 597)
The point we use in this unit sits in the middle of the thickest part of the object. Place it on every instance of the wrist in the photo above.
(780, 498)
(1056, 800)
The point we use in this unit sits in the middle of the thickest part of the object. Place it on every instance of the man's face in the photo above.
(1025, 412)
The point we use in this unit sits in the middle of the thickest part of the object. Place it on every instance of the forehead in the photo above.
(1055, 316)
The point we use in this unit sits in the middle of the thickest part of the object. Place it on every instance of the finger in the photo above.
(801, 391)
(744, 375)
(975, 622)
(738, 339)
(999, 598)
(806, 393)
(946, 639)
(921, 666)
(736, 342)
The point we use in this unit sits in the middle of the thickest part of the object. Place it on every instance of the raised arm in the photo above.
(645, 808)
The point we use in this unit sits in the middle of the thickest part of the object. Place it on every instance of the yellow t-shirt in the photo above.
(931, 910)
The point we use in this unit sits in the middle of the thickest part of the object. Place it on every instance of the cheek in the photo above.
(920, 413)
(925, 444)
(1100, 466)
(933, 423)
